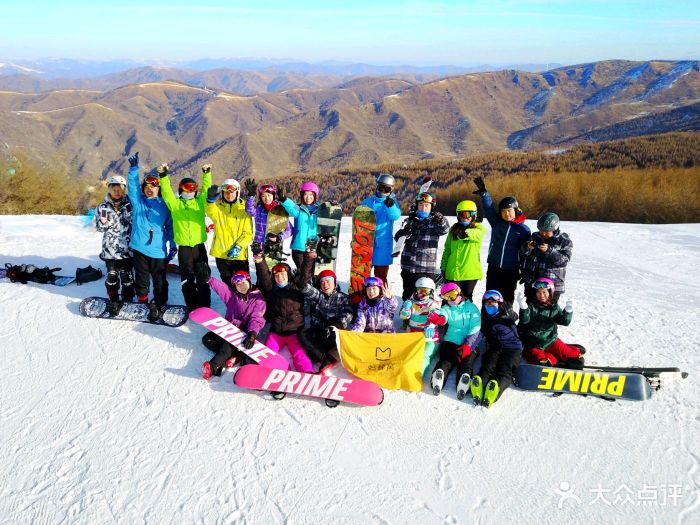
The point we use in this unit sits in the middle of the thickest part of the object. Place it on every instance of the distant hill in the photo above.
(355, 122)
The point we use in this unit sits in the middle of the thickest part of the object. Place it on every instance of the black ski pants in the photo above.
(498, 364)
(223, 351)
(409, 282)
(194, 275)
(450, 358)
(120, 271)
(503, 280)
(318, 343)
(147, 268)
(228, 267)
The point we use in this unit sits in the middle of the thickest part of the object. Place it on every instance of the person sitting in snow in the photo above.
(245, 308)
(538, 328)
(417, 310)
(503, 349)
(376, 310)
(460, 341)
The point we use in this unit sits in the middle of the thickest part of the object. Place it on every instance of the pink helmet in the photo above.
(544, 282)
(448, 287)
(309, 186)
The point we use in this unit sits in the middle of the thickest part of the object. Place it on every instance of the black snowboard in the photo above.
(172, 315)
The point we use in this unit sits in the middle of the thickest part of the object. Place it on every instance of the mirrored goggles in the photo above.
(240, 277)
(153, 182)
(465, 215)
(267, 188)
(279, 268)
(425, 197)
(540, 284)
(423, 291)
(451, 295)
(228, 187)
(189, 187)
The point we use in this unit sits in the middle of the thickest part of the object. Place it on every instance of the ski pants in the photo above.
(498, 364)
(467, 288)
(228, 267)
(223, 351)
(450, 357)
(431, 348)
(503, 280)
(147, 268)
(120, 270)
(298, 258)
(382, 272)
(300, 360)
(317, 342)
(194, 275)
(557, 352)
(409, 282)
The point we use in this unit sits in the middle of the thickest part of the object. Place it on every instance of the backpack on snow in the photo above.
(86, 275)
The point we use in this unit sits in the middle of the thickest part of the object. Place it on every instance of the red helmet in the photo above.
(240, 275)
(327, 273)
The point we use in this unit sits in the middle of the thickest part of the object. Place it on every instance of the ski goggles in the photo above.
(239, 277)
(493, 295)
(465, 215)
(426, 197)
(423, 291)
(373, 281)
(279, 268)
(153, 182)
(383, 188)
(188, 187)
(540, 285)
(267, 188)
(451, 295)
(229, 187)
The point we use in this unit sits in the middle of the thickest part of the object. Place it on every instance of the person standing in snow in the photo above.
(508, 233)
(258, 211)
(113, 218)
(245, 308)
(190, 234)
(546, 255)
(305, 214)
(152, 240)
(233, 228)
(386, 212)
(376, 310)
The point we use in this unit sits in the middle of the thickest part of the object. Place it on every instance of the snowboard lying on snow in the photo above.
(171, 315)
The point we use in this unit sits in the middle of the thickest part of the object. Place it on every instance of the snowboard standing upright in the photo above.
(329, 217)
(401, 240)
(364, 224)
(277, 220)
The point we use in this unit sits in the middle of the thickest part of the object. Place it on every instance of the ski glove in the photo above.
(212, 193)
(249, 340)
(250, 187)
(463, 351)
(234, 252)
(481, 187)
(521, 301)
(162, 170)
(134, 160)
(436, 318)
(206, 168)
(569, 306)
(389, 202)
(172, 252)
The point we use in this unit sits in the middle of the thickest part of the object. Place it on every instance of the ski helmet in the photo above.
(117, 179)
(466, 206)
(281, 267)
(150, 180)
(325, 274)
(425, 282)
(309, 186)
(240, 275)
(267, 188)
(508, 202)
(493, 295)
(187, 185)
(548, 222)
(374, 281)
(387, 179)
(544, 282)
(230, 184)
(449, 287)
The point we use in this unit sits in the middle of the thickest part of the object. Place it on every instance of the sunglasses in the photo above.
(240, 277)
(466, 215)
(383, 188)
(451, 295)
(189, 187)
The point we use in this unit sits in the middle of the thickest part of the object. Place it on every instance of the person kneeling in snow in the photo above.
(245, 308)
(538, 327)
(330, 308)
(459, 345)
(503, 349)
(376, 310)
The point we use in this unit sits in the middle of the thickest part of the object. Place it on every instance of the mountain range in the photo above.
(327, 123)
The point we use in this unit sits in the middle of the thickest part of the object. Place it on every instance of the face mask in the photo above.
(465, 223)
(491, 310)
(455, 302)
(422, 215)
(187, 196)
(281, 285)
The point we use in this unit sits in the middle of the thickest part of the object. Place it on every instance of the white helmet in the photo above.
(425, 282)
(231, 182)
(117, 179)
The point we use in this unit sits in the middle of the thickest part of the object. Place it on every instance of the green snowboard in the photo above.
(329, 217)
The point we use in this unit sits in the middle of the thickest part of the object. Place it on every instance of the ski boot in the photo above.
(437, 380)
(278, 396)
(491, 393)
(231, 361)
(332, 403)
(477, 389)
(463, 386)
(114, 307)
(206, 370)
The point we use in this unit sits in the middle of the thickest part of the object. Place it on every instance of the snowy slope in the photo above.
(109, 422)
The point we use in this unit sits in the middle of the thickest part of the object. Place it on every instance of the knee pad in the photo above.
(112, 279)
(126, 278)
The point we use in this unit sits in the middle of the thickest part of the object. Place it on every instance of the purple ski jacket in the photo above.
(247, 312)
(377, 318)
(259, 215)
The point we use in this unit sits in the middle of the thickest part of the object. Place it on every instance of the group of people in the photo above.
(147, 226)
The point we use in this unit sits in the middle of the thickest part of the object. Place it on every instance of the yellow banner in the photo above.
(393, 361)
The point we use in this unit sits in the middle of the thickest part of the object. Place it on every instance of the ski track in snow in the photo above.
(109, 422)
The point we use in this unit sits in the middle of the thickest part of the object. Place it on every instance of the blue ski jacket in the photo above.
(152, 223)
(384, 233)
(305, 223)
(506, 237)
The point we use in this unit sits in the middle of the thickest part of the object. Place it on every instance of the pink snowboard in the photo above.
(208, 318)
(355, 391)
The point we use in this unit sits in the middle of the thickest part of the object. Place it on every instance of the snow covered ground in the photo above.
(109, 422)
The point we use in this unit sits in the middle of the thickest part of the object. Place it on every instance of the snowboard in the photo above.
(605, 384)
(60, 280)
(364, 224)
(277, 220)
(401, 240)
(260, 353)
(328, 227)
(648, 372)
(171, 315)
(356, 391)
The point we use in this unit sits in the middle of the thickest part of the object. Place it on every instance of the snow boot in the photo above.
(437, 380)
(491, 393)
(463, 386)
(477, 389)
(206, 370)
(231, 361)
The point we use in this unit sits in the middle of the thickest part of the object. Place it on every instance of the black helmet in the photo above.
(508, 202)
(386, 178)
(187, 184)
(548, 222)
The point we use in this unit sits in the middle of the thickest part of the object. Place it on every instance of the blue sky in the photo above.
(420, 33)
